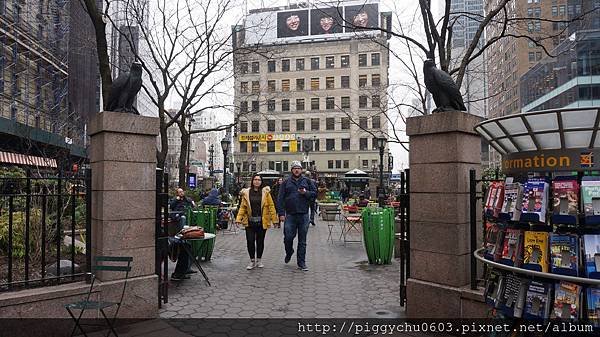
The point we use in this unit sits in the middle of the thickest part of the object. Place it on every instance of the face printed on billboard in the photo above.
(326, 20)
(361, 17)
(294, 23)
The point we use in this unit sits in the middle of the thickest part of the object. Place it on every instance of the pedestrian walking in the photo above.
(257, 212)
(313, 203)
(295, 195)
(275, 195)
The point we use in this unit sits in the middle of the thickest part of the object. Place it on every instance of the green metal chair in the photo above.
(118, 264)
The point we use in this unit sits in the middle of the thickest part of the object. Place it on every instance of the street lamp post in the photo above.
(187, 166)
(211, 161)
(381, 145)
(225, 147)
(239, 168)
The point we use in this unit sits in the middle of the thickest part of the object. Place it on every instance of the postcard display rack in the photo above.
(542, 222)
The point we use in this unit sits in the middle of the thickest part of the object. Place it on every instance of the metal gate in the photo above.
(403, 219)
(162, 242)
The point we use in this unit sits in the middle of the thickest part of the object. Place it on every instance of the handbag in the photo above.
(193, 232)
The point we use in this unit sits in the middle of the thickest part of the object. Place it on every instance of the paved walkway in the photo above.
(339, 284)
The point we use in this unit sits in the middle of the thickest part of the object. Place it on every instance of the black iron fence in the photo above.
(45, 229)
(403, 219)
(162, 244)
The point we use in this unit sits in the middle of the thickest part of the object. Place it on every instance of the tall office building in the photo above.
(314, 91)
(48, 81)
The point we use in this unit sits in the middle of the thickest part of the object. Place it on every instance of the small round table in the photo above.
(207, 236)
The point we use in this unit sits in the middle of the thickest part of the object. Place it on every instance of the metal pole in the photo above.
(225, 171)
(187, 166)
(381, 194)
(473, 225)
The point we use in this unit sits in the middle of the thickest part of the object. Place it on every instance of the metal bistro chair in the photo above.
(337, 213)
(117, 266)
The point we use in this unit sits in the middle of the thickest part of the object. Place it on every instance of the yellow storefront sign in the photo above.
(265, 137)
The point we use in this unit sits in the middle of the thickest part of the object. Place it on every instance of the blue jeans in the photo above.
(296, 223)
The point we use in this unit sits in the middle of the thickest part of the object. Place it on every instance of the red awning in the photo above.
(22, 159)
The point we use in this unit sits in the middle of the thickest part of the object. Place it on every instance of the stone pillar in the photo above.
(443, 148)
(123, 161)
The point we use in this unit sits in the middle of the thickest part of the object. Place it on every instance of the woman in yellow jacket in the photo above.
(257, 213)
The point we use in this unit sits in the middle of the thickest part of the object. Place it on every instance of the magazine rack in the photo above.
(550, 144)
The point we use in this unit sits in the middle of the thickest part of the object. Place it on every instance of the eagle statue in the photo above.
(446, 94)
(124, 89)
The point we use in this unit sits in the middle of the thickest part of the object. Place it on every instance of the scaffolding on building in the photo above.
(34, 49)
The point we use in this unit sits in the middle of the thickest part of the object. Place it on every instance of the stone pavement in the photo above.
(339, 284)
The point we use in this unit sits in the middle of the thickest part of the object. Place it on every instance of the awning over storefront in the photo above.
(21, 159)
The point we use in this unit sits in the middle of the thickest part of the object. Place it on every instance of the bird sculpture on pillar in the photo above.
(124, 89)
(446, 94)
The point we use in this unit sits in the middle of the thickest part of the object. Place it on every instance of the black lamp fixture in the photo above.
(239, 168)
(187, 166)
(225, 147)
(381, 144)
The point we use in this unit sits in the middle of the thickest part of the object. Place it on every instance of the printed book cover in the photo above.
(565, 196)
(591, 244)
(590, 195)
(566, 300)
(513, 297)
(513, 194)
(495, 198)
(535, 197)
(564, 250)
(494, 237)
(538, 300)
(512, 249)
(535, 252)
(593, 306)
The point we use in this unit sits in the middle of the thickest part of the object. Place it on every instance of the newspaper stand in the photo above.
(549, 144)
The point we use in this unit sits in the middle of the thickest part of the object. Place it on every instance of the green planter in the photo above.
(206, 218)
(378, 234)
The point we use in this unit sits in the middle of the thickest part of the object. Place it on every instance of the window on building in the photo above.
(329, 82)
(537, 12)
(271, 125)
(329, 123)
(376, 122)
(345, 102)
(561, 10)
(345, 61)
(314, 63)
(346, 144)
(255, 87)
(375, 59)
(244, 67)
(299, 124)
(314, 124)
(374, 144)
(365, 163)
(271, 86)
(531, 56)
(255, 126)
(271, 66)
(271, 105)
(255, 106)
(299, 64)
(316, 143)
(362, 60)
(299, 84)
(362, 81)
(375, 80)
(243, 147)
(538, 55)
(363, 145)
(315, 104)
(554, 10)
(329, 62)
(330, 144)
(362, 122)
(329, 103)
(285, 85)
(375, 101)
(338, 164)
(314, 83)
(538, 26)
(285, 65)
(255, 67)
(243, 126)
(285, 146)
(270, 147)
(285, 125)
(299, 104)
(244, 87)
(330, 164)
(285, 105)
(254, 146)
(345, 123)
(346, 164)
(362, 102)
(345, 82)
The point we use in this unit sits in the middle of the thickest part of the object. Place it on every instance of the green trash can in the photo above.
(378, 234)
(207, 219)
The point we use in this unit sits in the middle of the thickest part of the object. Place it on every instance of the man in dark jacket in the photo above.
(179, 204)
(275, 196)
(293, 204)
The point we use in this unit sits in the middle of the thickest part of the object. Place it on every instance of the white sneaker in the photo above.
(259, 264)
(251, 265)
